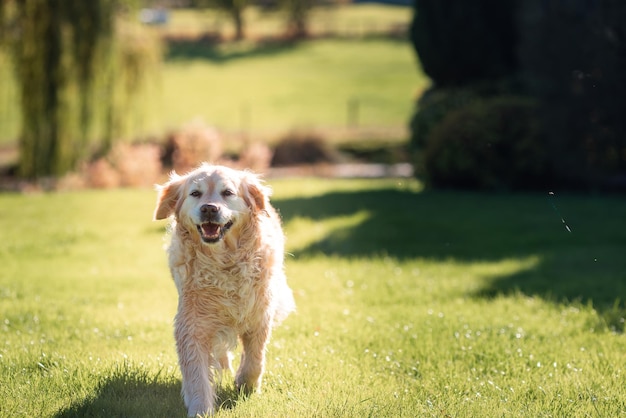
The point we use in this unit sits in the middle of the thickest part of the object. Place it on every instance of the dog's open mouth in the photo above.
(211, 232)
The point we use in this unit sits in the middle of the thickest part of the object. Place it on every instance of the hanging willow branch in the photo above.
(68, 67)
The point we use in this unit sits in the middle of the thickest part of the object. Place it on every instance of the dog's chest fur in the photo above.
(225, 284)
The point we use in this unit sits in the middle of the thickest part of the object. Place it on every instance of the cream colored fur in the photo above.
(226, 258)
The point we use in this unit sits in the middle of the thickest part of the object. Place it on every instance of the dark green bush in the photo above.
(570, 55)
(435, 104)
(460, 42)
(430, 110)
(573, 54)
(492, 143)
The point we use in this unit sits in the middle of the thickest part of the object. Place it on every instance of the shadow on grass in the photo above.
(586, 265)
(190, 49)
(138, 394)
(210, 49)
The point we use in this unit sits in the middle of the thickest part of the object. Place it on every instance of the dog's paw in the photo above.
(247, 387)
(200, 414)
(198, 410)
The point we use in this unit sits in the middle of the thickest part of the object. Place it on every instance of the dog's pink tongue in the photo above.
(210, 229)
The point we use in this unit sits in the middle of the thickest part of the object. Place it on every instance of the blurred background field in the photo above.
(489, 96)
(355, 72)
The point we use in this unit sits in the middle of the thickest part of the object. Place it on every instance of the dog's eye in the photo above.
(228, 193)
(195, 193)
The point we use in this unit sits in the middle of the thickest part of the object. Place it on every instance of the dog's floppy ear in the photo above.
(255, 194)
(169, 194)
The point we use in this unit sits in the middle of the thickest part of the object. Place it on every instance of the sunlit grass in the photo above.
(409, 304)
(309, 84)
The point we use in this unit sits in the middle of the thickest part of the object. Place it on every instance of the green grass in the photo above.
(280, 87)
(410, 303)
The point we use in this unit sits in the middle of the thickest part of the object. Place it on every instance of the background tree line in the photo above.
(526, 93)
(296, 13)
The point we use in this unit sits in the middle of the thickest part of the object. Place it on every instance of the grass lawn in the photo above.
(410, 303)
(280, 87)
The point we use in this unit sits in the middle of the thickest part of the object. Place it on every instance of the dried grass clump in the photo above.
(100, 174)
(137, 165)
(256, 157)
(191, 145)
(304, 148)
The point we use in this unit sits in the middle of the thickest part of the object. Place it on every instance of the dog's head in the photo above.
(211, 200)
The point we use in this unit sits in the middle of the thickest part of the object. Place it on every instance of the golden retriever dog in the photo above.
(226, 258)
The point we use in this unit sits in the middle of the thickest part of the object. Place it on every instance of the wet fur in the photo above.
(229, 290)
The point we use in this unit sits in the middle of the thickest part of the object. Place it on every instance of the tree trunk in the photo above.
(298, 11)
(237, 14)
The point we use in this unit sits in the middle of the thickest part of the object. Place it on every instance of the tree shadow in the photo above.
(135, 395)
(439, 225)
(210, 48)
(206, 49)
(586, 265)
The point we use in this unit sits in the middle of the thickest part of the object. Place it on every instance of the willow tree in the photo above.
(64, 53)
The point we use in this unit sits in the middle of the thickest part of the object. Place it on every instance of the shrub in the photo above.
(193, 144)
(256, 157)
(431, 109)
(136, 165)
(460, 42)
(101, 174)
(303, 148)
(573, 55)
(493, 143)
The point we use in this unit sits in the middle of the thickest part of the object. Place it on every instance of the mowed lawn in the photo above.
(276, 88)
(410, 304)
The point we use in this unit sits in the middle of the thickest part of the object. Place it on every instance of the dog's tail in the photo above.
(284, 301)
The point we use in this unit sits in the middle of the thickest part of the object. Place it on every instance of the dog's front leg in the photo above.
(198, 392)
(250, 371)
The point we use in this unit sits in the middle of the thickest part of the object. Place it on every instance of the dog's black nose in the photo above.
(209, 209)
